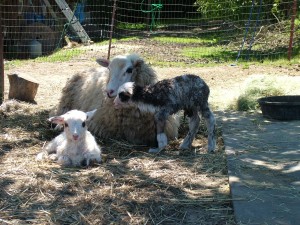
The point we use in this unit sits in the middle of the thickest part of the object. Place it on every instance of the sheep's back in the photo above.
(84, 91)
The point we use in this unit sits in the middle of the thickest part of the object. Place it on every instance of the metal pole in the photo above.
(149, 15)
(292, 29)
(112, 28)
(1, 64)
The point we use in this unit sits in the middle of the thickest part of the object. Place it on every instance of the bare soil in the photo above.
(130, 186)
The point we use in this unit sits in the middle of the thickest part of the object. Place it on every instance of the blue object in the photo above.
(79, 12)
(33, 17)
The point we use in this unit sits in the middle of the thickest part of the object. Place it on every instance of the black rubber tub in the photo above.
(281, 107)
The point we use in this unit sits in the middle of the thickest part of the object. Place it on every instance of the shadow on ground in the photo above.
(264, 171)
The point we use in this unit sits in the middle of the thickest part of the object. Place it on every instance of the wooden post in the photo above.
(1, 64)
(111, 27)
(22, 87)
(292, 30)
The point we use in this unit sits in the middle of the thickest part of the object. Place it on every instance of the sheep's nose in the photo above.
(75, 137)
(109, 93)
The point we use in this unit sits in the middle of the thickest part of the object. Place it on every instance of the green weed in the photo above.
(185, 40)
(62, 55)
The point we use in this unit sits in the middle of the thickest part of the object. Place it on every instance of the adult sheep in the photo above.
(96, 89)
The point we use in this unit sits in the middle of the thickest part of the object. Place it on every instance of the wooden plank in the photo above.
(74, 23)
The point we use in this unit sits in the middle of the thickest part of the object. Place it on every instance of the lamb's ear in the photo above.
(90, 114)
(57, 120)
(103, 62)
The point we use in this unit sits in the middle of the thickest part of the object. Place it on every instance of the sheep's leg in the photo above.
(210, 123)
(193, 129)
(92, 156)
(49, 149)
(160, 119)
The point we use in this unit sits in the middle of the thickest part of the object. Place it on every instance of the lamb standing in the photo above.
(76, 145)
(188, 92)
(95, 89)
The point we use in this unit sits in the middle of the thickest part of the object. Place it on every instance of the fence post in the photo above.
(1, 64)
(292, 29)
(112, 27)
(149, 15)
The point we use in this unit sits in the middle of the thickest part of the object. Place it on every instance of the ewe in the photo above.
(76, 146)
(188, 92)
(96, 88)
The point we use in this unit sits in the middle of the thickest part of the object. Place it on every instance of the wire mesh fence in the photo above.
(186, 31)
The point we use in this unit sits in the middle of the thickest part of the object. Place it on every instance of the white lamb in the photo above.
(75, 146)
(96, 88)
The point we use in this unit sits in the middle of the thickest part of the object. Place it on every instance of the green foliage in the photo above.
(239, 9)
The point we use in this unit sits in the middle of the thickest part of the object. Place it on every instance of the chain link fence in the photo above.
(186, 31)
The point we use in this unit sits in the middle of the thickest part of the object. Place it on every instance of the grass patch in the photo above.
(258, 88)
(185, 40)
(215, 53)
(131, 26)
(155, 62)
(14, 63)
(62, 55)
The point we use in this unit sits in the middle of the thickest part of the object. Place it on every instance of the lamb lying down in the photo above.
(76, 146)
(187, 92)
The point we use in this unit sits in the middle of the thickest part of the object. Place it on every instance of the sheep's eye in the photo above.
(123, 97)
(66, 124)
(83, 124)
(129, 70)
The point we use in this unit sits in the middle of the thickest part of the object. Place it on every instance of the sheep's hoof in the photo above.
(211, 150)
(184, 146)
(154, 150)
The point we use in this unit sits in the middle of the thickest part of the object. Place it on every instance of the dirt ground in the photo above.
(130, 186)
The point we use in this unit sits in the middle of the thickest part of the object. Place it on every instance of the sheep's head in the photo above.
(122, 69)
(124, 94)
(74, 123)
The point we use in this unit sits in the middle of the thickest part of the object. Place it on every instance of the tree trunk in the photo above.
(22, 87)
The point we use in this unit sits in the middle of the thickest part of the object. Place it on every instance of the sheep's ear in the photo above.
(103, 62)
(138, 63)
(90, 114)
(57, 120)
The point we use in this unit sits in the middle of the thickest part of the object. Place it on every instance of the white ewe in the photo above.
(95, 88)
(76, 145)
(188, 92)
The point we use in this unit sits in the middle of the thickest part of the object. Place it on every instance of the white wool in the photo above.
(88, 90)
(147, 107)
(76, 144)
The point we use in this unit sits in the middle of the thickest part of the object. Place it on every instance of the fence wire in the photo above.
(182, 31)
